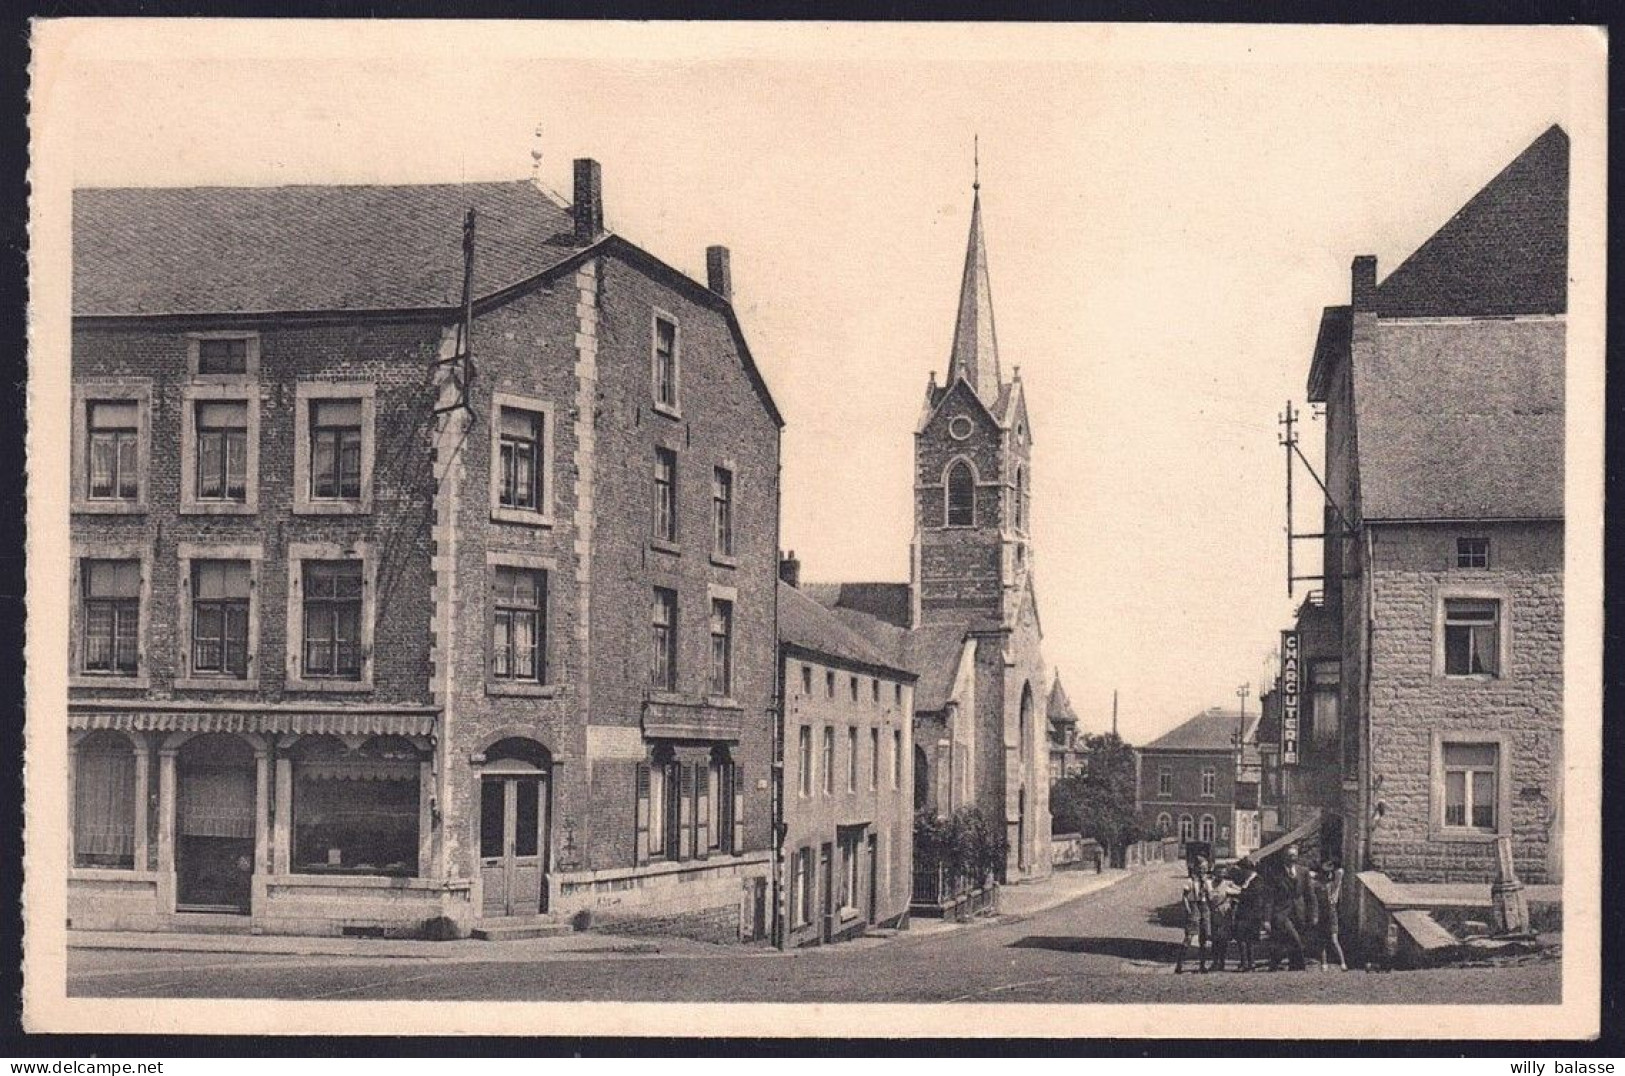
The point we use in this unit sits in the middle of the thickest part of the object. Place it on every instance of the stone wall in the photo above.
(1413, 703)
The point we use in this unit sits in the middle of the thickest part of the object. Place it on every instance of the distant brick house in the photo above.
(351, 656)
(1187, 780)
(1444, 394)
(848, 799)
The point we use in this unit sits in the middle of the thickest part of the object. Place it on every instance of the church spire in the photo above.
(975, 355)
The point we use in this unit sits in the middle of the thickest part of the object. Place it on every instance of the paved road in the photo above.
(1116, 945)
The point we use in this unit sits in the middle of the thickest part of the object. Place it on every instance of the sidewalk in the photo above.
(562, 947)
(1015, 902)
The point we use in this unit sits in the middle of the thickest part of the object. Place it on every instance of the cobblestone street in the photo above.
(1109, 945)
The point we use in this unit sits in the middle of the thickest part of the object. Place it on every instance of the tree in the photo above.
(1098, 801)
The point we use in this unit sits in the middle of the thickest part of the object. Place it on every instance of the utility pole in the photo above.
(1114, 713)
(1289, 441)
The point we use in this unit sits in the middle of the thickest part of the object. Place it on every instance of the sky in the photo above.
(1167, 210)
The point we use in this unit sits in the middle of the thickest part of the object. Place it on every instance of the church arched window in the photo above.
(961, 495)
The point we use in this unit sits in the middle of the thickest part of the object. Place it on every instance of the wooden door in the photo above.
(513, 843)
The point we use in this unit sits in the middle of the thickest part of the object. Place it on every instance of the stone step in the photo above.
(1429, 943)
(519, 929)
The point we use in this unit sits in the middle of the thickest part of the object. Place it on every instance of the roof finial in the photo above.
(976, 161)
(536, 156)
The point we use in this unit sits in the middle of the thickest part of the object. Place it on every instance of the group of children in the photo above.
(1289, 908)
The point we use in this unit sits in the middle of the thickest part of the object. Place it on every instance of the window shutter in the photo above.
(739, 811)
(685, 811)
(702, 810)
(641, 855)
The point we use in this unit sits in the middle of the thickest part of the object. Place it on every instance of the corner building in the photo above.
(375, 632)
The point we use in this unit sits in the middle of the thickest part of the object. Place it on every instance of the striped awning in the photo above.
(332, 722)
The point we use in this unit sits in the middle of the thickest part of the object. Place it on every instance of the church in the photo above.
(967, 623)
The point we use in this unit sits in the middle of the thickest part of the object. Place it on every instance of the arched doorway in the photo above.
(515, 810)
(215, 825)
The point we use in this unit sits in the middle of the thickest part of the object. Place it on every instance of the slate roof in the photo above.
(888, 602)
(1059, 708)
(933, 653)
(1465, 423)
(806, 624)
(1210, 730)
(877, 612)
(1504, 253)
(140, 251)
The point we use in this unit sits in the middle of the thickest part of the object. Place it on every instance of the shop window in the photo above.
(356, 812)
(104, 795)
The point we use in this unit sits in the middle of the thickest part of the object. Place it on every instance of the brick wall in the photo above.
(722, 421)
(960, 568)
(1185, 791)
(1411, 701)
(395, 358)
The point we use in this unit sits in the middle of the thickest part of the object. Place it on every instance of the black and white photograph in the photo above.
(532, 514)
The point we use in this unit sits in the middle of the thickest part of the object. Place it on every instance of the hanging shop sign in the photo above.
(1290, 666)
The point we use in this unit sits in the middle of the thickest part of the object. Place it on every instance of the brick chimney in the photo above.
(1363, 293)
(790, 568)
(589, 200)
(718, 275)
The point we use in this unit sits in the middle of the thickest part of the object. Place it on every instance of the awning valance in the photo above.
(331, 723)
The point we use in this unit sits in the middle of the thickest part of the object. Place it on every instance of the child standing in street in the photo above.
(1197, 902)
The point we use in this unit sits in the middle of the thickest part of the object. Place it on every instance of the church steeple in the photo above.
(975, 355)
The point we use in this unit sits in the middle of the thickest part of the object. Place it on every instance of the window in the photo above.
(1470, 785)
(854, 689)
(874, 691)
(104, 802)
(335, 450)
(850, 841)
(800, 885)
(961, 495)
(519, 451)
(355, 812)
(519, 624)
(722, 512)
(722, 632)
(897, 694)
(1165, 823)
(804, 759)
(1208, 777)
(829, 761)
(332, 620)
(852, 758)
(665, 362)
(114, 441)
(874, 759)
(721, 789)
(1021, 499)
(1472, 552)
(1187, 828)
(222, 450)
(662, 802)
(220, 618)
(665, 495)
(1165, 783)
(897, 758)
(806, 679)
(1207, 828)
(663, 670)
(1472, 637)
(829, 684)
(110, 617)
(216, 356)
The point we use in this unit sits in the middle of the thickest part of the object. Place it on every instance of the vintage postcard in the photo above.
(536, 528)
